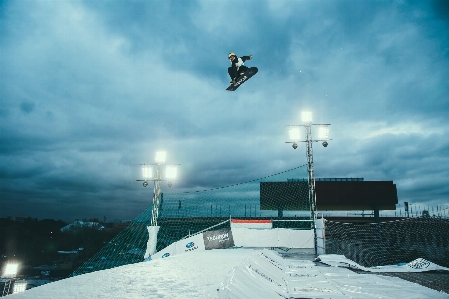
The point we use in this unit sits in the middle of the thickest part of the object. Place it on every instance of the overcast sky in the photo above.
(91, 89)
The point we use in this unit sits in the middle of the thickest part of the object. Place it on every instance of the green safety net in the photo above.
(395, 242)
(182, 214)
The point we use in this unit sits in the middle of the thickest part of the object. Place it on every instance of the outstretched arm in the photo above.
(244, 58)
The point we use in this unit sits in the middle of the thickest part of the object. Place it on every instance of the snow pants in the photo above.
(234, 74)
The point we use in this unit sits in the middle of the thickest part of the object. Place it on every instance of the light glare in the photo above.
(306, 117)
(147, 172)
(11, 270)
(171, 171)
(160, 157)
(294, 134)
(323, 133)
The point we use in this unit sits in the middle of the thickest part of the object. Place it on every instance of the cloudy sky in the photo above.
(91, 89)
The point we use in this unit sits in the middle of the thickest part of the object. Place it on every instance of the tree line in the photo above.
(36, 242)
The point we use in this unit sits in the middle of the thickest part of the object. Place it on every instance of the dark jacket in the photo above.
(238, 62)
(237, 66)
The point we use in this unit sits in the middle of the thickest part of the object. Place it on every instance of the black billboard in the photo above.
(330, 195)
(218, 239)
(292, 196)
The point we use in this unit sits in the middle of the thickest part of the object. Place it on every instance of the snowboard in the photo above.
(243, 78)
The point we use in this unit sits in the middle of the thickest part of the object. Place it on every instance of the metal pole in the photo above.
(156, 196)
(311, 179)
(294, 136)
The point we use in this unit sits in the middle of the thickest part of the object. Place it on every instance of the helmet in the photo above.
(231, 54)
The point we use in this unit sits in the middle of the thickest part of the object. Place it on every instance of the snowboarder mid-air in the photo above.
(237, 67)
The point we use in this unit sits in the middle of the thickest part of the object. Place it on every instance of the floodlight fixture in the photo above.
(171, 171)
(160, 157)
(294, 134)
(323, 133)
(147, 172)
(11, 270)
(154, 173)
(306, 117)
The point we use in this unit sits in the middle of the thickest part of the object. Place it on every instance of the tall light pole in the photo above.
(295, 136)
(9, 275)
(148, 175)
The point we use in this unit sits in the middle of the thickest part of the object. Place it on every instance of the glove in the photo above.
(250, 57)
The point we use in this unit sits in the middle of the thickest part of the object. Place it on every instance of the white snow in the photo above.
(193, 275)
(229, 273)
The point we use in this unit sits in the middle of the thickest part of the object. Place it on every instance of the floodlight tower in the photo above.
(295, 137)
(9, 272)
(148, 175)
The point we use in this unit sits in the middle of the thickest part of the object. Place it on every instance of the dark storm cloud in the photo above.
(189, 45)
(27, 107)
(441, 9)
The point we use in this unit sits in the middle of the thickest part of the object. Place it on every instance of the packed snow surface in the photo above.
(233, 274)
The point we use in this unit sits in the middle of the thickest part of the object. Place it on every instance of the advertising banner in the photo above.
(166, 252)
(218, 239)
(240, 237)
(190, 244)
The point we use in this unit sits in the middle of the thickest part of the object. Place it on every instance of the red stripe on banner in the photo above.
(249, 221)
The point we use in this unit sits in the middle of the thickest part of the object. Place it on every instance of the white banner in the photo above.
(277, 237)
(190, 244)
(291, 238)
(166, 252)
(246, 237)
